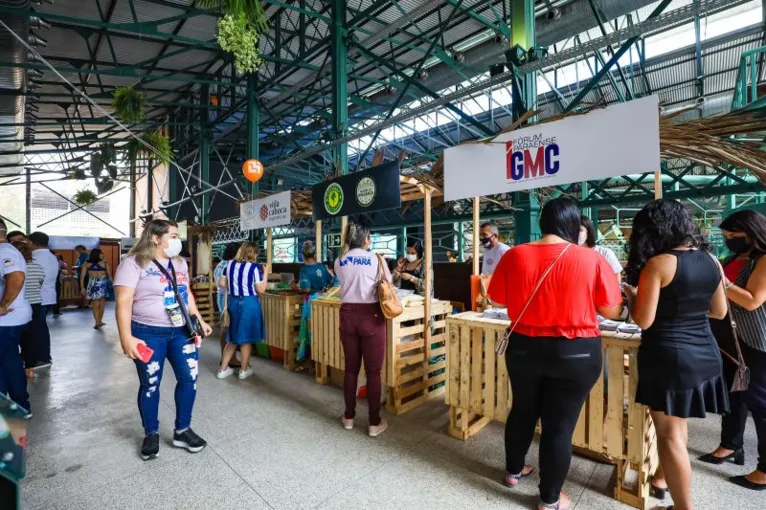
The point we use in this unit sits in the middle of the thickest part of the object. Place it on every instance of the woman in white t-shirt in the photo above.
(588, 238)
(362, 324)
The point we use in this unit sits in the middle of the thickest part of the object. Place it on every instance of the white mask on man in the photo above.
(174, 248)
(582, 237)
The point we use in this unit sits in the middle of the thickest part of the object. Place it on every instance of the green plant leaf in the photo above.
(129, 105)
(84, 197)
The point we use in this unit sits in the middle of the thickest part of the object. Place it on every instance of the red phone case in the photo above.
(145, 352)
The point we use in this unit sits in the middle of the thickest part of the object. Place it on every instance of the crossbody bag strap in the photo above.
(172, 278)
(740, 361)
(502, 345)
(381, 271)
(537, 287)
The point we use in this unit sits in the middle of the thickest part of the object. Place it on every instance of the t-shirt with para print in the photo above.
(357, 272)
(150, 285)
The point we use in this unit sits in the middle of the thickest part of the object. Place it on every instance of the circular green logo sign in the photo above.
(333, 198)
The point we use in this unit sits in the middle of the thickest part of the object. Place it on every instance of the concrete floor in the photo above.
(275, 442)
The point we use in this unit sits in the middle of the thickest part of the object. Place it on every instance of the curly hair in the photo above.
(658, 228)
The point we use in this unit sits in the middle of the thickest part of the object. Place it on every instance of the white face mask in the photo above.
(174, 248)
(581, 238)
(411, 258)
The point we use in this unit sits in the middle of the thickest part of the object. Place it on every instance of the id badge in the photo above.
(174, 310)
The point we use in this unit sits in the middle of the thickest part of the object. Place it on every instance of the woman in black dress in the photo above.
(679, 366)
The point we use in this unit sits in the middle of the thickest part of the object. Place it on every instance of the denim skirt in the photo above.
(246, 325)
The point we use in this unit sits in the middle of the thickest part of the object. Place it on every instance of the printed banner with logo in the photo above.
(360, 192)
(623, 139)
(271, 211)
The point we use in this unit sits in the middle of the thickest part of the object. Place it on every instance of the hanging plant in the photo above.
(76, 173)
(108, 153)
(129, 104)
(85, 197)
(96, 165)
(132, 149)
(162, 153)
(237, 36)
(243, 24)
(104, 186)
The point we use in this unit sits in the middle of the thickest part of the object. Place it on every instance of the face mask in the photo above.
(174, 248)
(737, 245)
(411, 258)
(581, 238)
(486, 242)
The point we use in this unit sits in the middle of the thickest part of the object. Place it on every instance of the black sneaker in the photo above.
(189, 440)
(151, 447)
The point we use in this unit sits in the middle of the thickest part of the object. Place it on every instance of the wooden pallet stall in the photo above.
(282, 315)
(612, 426)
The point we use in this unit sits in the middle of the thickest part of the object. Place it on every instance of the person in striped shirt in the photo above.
(244, 279)
(32, 292)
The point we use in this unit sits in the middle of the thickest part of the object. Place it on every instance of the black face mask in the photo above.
(737, 245)
(486, 242)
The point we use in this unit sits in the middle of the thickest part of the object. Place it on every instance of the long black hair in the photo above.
(658, 228)
(590, 231)
(561, 217)
(417, 246)
(95, 256)
(230, 251)
(751, 223)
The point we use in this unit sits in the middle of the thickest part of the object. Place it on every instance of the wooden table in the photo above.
(612, 426)
(282, 314)
(70, 294)
(413, 371)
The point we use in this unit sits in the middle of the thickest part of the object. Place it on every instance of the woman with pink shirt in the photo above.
(150, 316)
(362, 324)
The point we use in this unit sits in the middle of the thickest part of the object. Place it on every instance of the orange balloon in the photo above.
(253, 170)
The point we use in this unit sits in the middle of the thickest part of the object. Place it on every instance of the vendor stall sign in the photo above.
(360, 192)
(623, 139)
(271, 211)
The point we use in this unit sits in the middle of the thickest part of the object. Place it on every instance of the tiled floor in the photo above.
(275, 442)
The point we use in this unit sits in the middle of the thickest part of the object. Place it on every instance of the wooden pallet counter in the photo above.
(204, 296)
(612, 426)
(282, 314)
(414, 369)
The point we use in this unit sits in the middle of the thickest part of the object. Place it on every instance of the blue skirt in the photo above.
(246, 320)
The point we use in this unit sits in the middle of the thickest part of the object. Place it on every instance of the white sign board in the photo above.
(271, 211)
(623, 139)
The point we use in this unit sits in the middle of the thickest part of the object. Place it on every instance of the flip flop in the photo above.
(516, 478)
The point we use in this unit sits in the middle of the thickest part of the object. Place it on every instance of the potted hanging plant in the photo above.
(162, 153)
(76, 173)
(243, 24)
(129, 104)
(85, 197)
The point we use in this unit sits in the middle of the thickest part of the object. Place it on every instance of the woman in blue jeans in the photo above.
(149, 316)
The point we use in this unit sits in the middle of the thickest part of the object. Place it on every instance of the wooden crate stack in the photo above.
(282, 314)
(416, 361)
(411, 371)
(204, 295)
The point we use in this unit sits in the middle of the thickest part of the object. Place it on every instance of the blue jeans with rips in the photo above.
(174, 345)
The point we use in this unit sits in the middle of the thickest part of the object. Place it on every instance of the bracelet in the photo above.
(728, 286)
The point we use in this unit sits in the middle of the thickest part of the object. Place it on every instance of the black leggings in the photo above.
(550, 380)
(733, 424)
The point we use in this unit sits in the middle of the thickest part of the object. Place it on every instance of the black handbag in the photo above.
(193, 325)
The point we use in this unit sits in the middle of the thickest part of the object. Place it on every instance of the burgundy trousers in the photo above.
(363, 335)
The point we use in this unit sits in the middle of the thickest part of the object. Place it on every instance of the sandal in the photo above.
(564, 503)
(513, 480)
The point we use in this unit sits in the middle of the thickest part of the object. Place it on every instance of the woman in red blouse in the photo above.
(554, 353)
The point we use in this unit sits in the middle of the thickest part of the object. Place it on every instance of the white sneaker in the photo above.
(347, 424)
(376, 430)
(244, 374)
(222, 374)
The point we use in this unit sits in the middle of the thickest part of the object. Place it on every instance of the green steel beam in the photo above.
(253, 121)
(340, 83)
(523, 34)
(204, 151)
(608, 66)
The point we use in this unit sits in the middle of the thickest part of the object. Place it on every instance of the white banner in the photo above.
(271, 211)
(623, 139)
